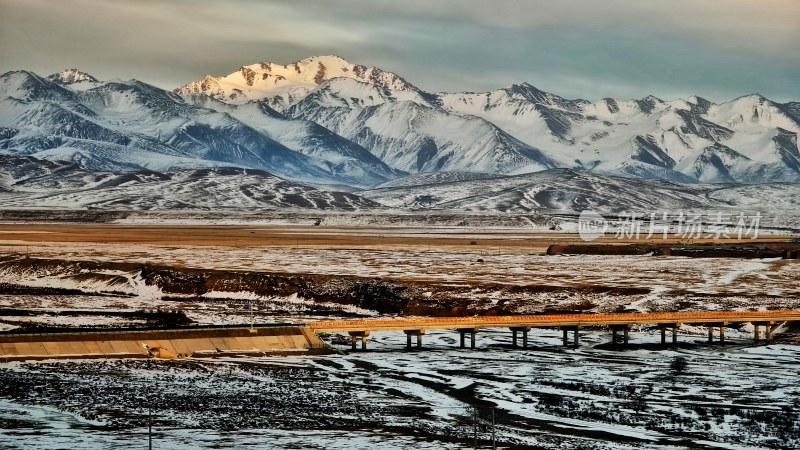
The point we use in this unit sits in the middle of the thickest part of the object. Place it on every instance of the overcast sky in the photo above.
(591, 49)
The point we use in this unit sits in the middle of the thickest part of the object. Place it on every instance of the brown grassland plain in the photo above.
(384, 238)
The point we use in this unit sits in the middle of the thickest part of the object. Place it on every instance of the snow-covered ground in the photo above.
(668, 283)
(738, 396)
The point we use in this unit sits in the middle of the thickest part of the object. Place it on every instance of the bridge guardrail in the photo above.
(150, 330)
(598, 319)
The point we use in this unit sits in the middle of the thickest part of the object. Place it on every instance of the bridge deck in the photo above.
(541, 321)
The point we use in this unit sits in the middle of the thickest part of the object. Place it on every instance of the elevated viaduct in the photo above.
(281, 338)
(620, 324)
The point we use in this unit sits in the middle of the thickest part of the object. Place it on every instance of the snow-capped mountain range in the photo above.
(130, 125)
(283, 85)
(326, 121)
(521, 129)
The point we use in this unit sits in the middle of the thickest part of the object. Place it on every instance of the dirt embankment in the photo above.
(384, 296)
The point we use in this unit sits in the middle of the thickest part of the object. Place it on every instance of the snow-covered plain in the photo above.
(668, 283)
(739, 396)
(735, 397)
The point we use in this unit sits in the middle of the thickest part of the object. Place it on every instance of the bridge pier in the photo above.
(417, 333)
(354, 335)
(767, 330)
(463, 332)
(616, 329)
(576, 336)
(711, 327)
(524, 331)
(663, 327)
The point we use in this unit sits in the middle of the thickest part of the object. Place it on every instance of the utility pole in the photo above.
(494, 441)
(150, 427)
(475, 428)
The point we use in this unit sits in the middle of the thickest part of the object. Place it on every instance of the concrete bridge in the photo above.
(197, 341)
(620, 324)
(218, 340)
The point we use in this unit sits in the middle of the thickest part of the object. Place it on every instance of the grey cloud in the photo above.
(764, 26)
(579, 48)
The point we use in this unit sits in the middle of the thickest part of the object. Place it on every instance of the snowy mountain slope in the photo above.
(718, 162)
(646, 138)
(421, 179)
(522, 110)
(556, 189)
(325, 121)
(75, 79)
(27, 182)
(415, 136)
(792, 109)
(567, 190)
(25, 174)
(282, 85)
(416, 131)
(366, 106)
(38, 116)
(347, 160)
(201, 133)
(20, 169)
(132, 125)
(780, 198)
(24, 86)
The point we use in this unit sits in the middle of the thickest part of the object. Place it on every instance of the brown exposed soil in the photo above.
(385, 296)
(335, 237)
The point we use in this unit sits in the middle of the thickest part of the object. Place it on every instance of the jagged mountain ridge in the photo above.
(342, 156)
(130, 125)
(646, 138)
(413, 135)
(678, 140)
(71, 77)
(280, 85)
(347, 124)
